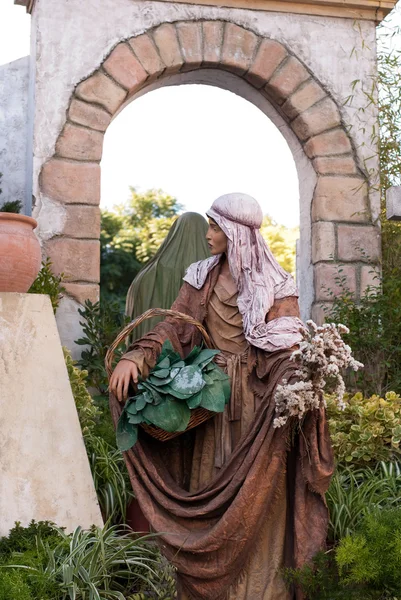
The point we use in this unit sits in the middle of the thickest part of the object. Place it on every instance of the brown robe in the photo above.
(234, 500)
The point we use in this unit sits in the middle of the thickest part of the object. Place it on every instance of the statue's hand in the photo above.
(125, 371)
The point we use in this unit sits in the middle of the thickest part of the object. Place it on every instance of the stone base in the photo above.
(44, 473)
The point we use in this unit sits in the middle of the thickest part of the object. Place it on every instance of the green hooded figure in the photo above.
(159, 281)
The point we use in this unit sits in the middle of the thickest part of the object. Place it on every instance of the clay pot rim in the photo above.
(4, 216)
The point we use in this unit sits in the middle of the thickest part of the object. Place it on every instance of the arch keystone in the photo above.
(212, 42)
(238, 48)
(190, 38)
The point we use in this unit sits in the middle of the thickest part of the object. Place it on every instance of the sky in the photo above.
(194, 142)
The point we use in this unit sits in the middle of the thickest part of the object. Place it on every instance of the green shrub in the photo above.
(375, 332)
(101, 325)
(320, 580)
(13, 585)
(28, 546)
(368, 430)
(88, 412)
(108, 563)
(107, 464)
(364, 566)
(13, 206)
(110, 477)
(48, 283)
(372, 557)
(354, 493)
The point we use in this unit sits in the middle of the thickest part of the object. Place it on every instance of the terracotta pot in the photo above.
(20, 255)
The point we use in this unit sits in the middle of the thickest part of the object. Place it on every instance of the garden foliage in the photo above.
(368, 430)
(88, 412)
(374, 325)
(110, 563)
(175, 386)
(101, 324)
(109, 472)
(355, 492)
(365, 566)
(48, 283)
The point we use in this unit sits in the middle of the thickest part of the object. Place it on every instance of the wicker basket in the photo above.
(198, 415)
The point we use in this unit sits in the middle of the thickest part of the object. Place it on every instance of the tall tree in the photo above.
(130, 235)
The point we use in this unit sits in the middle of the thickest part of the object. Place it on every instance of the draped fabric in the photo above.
(259, 278)
(264, 486)
(159, 281)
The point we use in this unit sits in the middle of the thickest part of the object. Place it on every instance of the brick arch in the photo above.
(341, 217)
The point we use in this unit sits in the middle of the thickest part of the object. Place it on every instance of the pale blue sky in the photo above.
(195, 142)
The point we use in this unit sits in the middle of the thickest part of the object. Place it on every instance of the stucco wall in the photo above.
(70, 48)
(14, 81)
(45, 473)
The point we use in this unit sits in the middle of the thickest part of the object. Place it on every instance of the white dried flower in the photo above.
(321, 357)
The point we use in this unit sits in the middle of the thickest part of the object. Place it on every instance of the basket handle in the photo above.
(152, 312)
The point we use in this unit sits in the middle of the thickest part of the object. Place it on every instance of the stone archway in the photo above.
(341, 216)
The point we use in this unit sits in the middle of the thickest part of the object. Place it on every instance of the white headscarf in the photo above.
(258, 276)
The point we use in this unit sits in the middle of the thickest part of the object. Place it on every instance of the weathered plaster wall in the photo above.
(14, 80)
(69, 49)
(44, 472)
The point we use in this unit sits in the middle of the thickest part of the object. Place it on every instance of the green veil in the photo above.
(158, 282)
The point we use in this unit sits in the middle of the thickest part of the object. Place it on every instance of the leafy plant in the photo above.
(101, 324)
(320, 580)
(27, 546)
(88, 412)
(130, 236)
(21, 539)
(354, 493)
(375, 330)
(110, 477)
(368, 430)
(174, 388)
(99, 564)
(372, 556)
(166, 585)
(12, 206)
(48, 283)
(13, 585)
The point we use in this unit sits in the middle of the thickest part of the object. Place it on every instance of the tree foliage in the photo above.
(130, 236)
(281, 240)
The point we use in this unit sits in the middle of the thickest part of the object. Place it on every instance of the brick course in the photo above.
(102, 90)
(71, 181)
(79, 143)
(125, 68)
(340, 199)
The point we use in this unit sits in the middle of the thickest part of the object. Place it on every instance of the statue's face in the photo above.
(216, 238)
